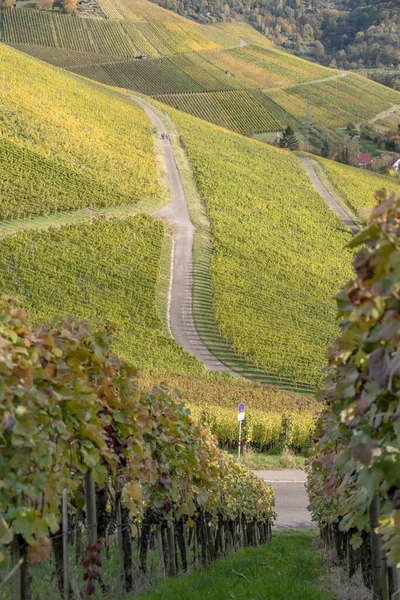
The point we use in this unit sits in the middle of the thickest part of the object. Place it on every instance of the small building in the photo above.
(395, 164)
(364, 159)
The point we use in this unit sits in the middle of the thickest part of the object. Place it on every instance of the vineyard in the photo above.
(68, 144)
(354, 478)
(337, 101)
(268, 67)
(267, 223)
(272, 415)
(105, 270)
(358, 187)
(145, 475)
(125, 39)
(229, 75)
(241, 111)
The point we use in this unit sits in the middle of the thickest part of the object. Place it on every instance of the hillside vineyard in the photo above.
(178, 265)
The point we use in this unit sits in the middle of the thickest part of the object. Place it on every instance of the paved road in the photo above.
(180, 316)
(384, 115)
(329, 199)
(290, 498)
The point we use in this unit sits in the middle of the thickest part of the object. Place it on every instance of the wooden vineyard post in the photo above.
(171, 548)
(65, 543)
(120, 541)
(17, 562)
(160, 550)
(241, 417)
(90, 502)
(379, 573)
(195, 546)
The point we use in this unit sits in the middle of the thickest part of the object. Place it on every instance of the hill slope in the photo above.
(230, 75)
(68, 144)
(278, 251)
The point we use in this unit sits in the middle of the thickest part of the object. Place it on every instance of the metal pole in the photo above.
(240, 438)
(65, 543)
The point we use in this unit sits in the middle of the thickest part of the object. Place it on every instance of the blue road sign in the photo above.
(241, 407)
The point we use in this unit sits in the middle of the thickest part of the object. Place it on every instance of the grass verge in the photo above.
(276, 458)
(287, 567)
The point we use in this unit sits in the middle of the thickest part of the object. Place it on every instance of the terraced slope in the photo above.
(114, 38)
(278, 252)
(67, 144)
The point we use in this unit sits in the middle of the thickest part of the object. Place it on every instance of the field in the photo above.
(272, 415)
(241, 111)
(68, 144)
(267, 224)
(229, 75)
(336, 102)
(357, 187)
(125, 39)
(107, 271)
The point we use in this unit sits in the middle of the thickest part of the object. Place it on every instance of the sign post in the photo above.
(241, 417)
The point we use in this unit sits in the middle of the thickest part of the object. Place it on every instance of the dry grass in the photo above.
(337, 580)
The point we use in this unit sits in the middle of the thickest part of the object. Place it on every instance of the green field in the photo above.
(271, 232)
(337, 102)
(107, 271)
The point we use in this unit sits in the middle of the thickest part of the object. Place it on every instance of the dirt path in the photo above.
(329, 199)
(291, 498)
(180, 316)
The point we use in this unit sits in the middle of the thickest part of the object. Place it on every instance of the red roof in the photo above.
(365, 158)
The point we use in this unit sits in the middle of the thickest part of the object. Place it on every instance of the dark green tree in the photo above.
(325, 149)
(289, 139)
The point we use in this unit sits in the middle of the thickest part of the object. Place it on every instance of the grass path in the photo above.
(286, 568)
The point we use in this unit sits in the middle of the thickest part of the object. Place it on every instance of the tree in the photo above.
(69, 5)
(325, 149)
(289, 140)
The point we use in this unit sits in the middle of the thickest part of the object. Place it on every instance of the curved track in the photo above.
(180, 315)
(329, 199)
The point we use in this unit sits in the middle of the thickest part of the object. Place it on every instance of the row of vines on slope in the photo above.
(354, 472)
(72, 417)
(272, 415)
(108, 269)
(271, 232)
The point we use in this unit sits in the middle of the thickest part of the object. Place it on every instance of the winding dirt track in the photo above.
(329, 199)
(180, 315)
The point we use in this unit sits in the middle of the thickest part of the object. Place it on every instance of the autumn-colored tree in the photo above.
(69, 5)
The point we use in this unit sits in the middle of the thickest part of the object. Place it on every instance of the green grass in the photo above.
(277, 458)
(287, 567)
(269, 234)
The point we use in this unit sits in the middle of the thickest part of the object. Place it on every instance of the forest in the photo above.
(337, 33)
